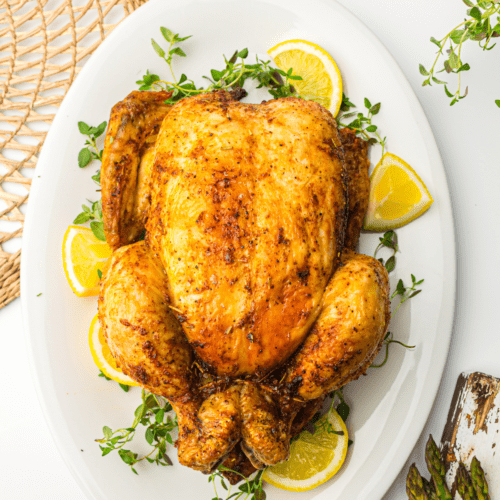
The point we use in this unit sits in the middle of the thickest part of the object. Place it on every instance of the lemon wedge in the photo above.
(102, 355)
(397, 195)
(314, 458)
(83, 255)
(321, 80)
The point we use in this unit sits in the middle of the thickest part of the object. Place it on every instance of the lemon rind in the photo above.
(330, 65)
(320, 477)
(75, 285)
(100, 362)
(373, 224)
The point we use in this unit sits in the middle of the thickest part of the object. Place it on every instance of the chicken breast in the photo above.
(248, 221)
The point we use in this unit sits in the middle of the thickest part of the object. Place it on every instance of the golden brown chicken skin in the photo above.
(349, 331)
(245, 305)
(358, 184)
(126, 164)
(248, 214)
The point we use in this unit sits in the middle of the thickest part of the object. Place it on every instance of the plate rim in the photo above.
(446, 318)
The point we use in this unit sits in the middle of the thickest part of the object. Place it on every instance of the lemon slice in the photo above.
(314, 458)
(321, 80)
(102, 355)
(397, 195)
(83, 255)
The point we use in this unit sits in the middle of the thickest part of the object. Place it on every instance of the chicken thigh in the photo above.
(247, 274)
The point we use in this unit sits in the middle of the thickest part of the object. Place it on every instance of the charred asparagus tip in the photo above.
(437, 469)
(464, 484)
(479, 480)
(414, 485)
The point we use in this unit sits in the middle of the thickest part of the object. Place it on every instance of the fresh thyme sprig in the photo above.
(154, 414)
(406, 292)
(234, 75)
(93, 212)
(481, 26)
(362, 124)
(389, 240)
(388, 340)
(91, 152)
(171, 51)
(343, 409)
(251, 488)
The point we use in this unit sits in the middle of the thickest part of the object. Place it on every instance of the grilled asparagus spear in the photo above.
(478, 480)
(437, 470)
(464, 484)
(429, 489)
(414, 485)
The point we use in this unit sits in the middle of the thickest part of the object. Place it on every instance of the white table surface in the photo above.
(468, 138)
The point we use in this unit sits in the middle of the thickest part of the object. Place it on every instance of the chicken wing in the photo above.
(127, 163)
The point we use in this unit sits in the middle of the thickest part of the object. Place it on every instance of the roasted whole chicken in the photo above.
(234, 289)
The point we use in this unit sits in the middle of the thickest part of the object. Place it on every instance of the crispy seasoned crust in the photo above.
(248, 209)
(349, 330)
(358, 182)
(239, 464)
(140, 329)
(126, 164)
(248, 217)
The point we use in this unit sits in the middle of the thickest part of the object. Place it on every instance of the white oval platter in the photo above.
(390, 405)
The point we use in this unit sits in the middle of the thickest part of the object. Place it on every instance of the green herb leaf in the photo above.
(167, 34)
(343, 409)
(100, 129)
(98, 230)
(149, 435)
(105, 451)
(102, 375)
(160, 415)
(81, 218)
(437, 42)
(497, 102)
(454, 61)
(178, 51)
(126, 456)
(177, 38)
(123, 386)
(435, 80)
(216, 75)
(243, 54)
(390, 264)
(84, 157)
(375, 109)
(157, 48)
(83, 128)
(422, 70)
(475, 13)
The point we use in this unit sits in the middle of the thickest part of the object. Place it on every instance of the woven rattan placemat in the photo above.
(43, 46)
